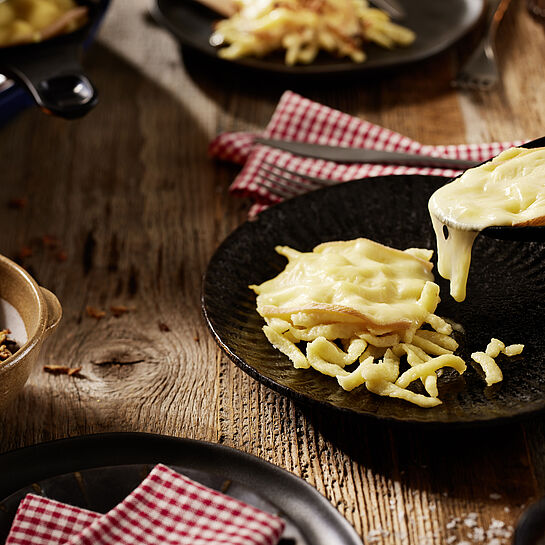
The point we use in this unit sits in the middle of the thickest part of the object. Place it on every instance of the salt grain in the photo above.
(453, 523)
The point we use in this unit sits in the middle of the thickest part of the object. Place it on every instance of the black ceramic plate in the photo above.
(530, 529)
(437, 24)
(97, 471)
(505, 300)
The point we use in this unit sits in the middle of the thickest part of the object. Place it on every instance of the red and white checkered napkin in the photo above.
(166, 508)
(41, 521)
(298, 118)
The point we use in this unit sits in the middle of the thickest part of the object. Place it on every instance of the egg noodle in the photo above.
(357, 310)
(304, 27)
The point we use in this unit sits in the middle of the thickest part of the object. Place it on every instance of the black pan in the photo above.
(51, 70)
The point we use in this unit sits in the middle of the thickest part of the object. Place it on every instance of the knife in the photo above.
(362, 155)
(392, 7)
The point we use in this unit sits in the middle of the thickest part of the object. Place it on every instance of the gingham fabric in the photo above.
(41, 521)
(298, 118)
(166, 508)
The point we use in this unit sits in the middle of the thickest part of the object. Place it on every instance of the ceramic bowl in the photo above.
(31, 313)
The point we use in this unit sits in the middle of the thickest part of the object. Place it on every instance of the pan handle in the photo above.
(55, 80)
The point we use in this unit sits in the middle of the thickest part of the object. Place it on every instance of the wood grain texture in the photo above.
(138, 207)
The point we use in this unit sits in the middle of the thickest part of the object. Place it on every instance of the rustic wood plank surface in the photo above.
(138, 208)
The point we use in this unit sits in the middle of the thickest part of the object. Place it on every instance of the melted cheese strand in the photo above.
(509, 190)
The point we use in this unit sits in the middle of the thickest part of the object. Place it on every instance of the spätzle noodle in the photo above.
(357, 310)
(360, 307)
(486, 359)
(304, 27)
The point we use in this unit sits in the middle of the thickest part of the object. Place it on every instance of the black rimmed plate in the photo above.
(97, 471)
(438, 25)
(506, 300)
(530, 529)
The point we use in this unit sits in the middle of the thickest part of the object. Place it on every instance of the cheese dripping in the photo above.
(508, 190)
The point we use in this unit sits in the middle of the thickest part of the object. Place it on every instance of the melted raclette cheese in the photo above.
(509, 190)
(357, 281)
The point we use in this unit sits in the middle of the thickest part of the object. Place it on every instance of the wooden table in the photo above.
(139, 207)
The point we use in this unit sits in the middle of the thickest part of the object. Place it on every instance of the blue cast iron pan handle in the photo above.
(51, 70)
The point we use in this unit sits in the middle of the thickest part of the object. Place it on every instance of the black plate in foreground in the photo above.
(505, 300)
(98, 471)
(437, 24)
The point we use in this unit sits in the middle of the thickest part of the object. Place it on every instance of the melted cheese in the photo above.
(357, 281)
(509, 190)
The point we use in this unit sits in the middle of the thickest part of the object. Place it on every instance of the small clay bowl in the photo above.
(31, 313)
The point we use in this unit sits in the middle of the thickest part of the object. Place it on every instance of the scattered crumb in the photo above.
(95, 313)
(50, 241)
(163, 327)
(196, 338)
(62, 370)
(61, 256)
(119, 310)
(25, 251)
(46, 243)
(17, 203)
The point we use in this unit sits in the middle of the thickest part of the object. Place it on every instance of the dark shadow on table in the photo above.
(484, 463)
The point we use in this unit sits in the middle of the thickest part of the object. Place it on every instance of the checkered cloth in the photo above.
(41, 521)
(166, 508)
(300, 119)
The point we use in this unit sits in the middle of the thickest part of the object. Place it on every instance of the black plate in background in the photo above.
(505, 299)
(530, 529)
(438, 24)
(62, 470)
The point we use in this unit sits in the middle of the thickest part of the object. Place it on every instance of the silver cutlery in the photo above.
(480, 71)
(360, 155)
(286, 183)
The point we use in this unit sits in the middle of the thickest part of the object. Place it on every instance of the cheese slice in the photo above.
(356, 281)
